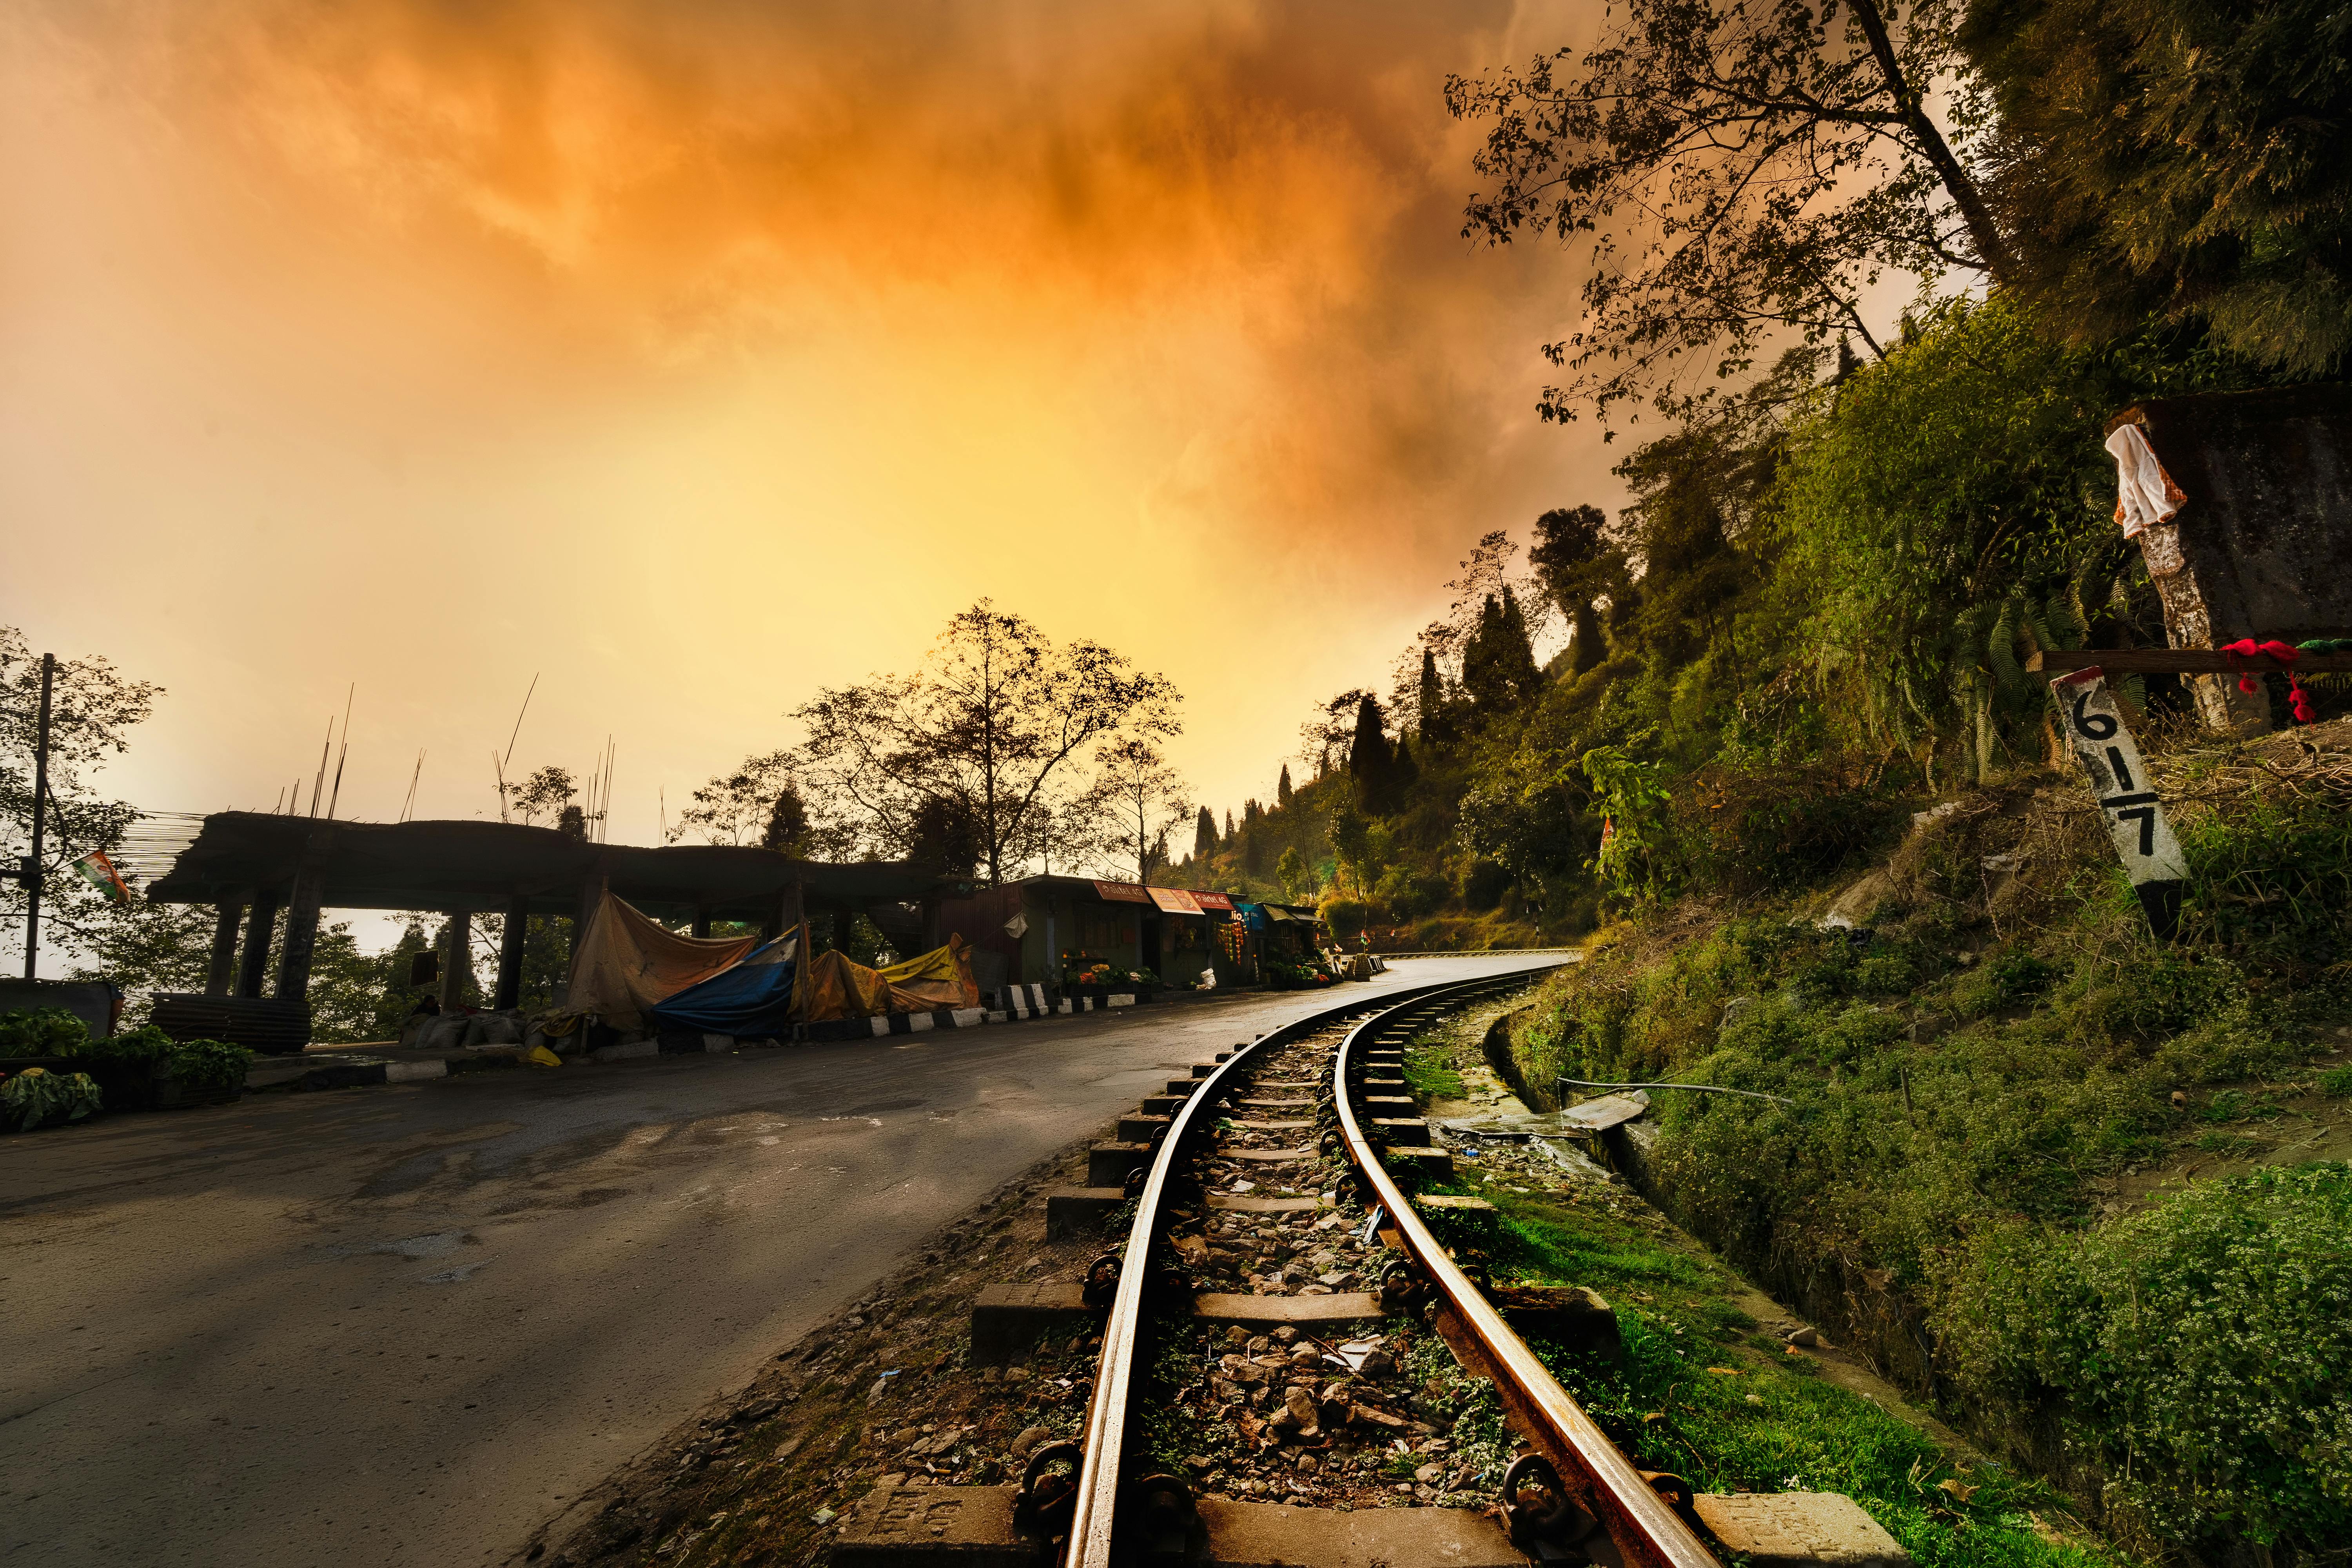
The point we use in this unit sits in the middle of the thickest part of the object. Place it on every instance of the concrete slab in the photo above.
(1107, 1165)
(1266, 1205)
(1080, 1211)
(1274, 1535)
(968, 1527)
(1183, 1085)
(1270, 1157)
(1403, 1129)
(1272, 1126)
(1387, 1104)
(1139, 1129)
(1278, 1104)
(1340, 1307)
(1452, 1204)
(1007, 1318)
(1783, 1530)
(1434, 1163)
(1162, 1104)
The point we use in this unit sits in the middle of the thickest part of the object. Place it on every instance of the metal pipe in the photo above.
(1701, 1088)
(40, 803)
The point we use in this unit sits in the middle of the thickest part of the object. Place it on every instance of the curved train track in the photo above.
(1569, 1496)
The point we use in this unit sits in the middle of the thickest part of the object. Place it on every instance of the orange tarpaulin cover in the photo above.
(940, 978)
(627, 963)
(833, 986)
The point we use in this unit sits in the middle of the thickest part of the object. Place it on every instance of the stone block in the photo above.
(1784, 1530)
(1006, 1319)
(1275, 1535)
(1080, 1211)
(1107, 1165)
(954, 1527)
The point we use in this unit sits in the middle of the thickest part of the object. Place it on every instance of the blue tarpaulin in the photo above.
(753, 999)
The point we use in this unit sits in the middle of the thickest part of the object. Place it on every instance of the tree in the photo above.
(1732, 171)
(545, 794)
(760, 802)
(91, 711)
(1143, 797)
(1282, 787)
(2159, 157)
(1330, 728)
(995, 716)
(1292, 870)
(788, 831)
(1430, 705)
(1204, 835)
(944, 834)
(1579, 566)
(1498, 664)
(1368, 759)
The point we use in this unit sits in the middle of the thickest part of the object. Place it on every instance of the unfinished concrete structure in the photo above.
(2261, 545)
(253, 864)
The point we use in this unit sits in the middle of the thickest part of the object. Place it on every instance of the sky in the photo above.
(688, 357)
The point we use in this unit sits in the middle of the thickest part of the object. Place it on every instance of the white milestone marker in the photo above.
(2135, 817)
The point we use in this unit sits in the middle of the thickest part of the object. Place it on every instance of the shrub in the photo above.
(210, 1064)
(140, 1048)
(41, 1032)
(2201, 1349)
(1484, 885)
(37, 1096)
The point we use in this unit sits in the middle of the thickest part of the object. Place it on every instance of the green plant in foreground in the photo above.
(41, 1032)
(1771, 1426)
(37, 1096)
(210, 1064)
(2201, 1349)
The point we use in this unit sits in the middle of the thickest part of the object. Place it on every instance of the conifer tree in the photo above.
(1370, 763)
(1204, 835)
(1282, 787)
(1432, 699)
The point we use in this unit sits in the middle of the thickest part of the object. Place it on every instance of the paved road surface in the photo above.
(400, 1326)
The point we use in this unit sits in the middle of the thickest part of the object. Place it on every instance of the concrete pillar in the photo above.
(518, 928)
(592, 893)
(223, 971)
(260, 920)
(701, 926)
(301, 931)
(457, 960)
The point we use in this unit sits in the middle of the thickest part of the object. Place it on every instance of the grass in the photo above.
(1429, 1071)
(1975, 1085)
(1775, 1424)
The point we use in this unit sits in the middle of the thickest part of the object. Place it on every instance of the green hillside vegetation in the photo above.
(1812, 620)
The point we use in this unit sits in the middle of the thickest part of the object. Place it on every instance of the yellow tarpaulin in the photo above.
(832, 986)
(940, 978)
(627, 963)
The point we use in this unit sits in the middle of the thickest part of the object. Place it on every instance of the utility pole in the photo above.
(31, 874)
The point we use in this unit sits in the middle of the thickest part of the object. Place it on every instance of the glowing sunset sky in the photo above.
(695, 355)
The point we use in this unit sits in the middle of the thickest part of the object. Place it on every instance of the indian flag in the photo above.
(99, 872)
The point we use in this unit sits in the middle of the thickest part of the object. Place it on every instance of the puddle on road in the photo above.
(416, 1249)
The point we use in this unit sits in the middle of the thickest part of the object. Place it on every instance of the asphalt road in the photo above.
(403, 1325)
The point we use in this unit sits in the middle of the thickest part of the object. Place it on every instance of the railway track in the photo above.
(1300, 1363)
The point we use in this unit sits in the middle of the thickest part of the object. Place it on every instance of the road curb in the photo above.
(368, 1074)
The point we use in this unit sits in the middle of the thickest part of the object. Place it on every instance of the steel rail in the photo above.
(1643, 1527)
(1096, 1504)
